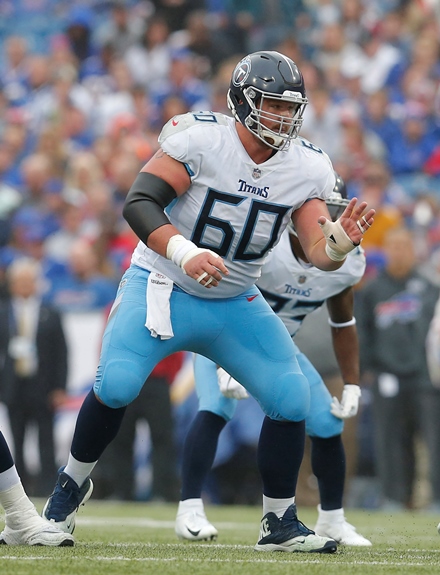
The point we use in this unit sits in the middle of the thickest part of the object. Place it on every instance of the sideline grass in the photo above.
(138, 538)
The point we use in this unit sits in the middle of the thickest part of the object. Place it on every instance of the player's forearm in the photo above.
(317, 256)
(346, 347)
(159, 239)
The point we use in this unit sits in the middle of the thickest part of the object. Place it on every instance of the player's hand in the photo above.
(229, 386)
(355, 220)
(349, 404)
(201, 264)
(206, 268)
(347, 231)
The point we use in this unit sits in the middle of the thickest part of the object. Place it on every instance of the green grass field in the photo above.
(138, 538)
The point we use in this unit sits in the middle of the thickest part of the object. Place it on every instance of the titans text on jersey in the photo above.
(251, 189)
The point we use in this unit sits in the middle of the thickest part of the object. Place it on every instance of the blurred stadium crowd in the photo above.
(85, 88)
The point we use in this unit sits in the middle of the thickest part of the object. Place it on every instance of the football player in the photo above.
(23, 525)
(207, 208)
(293, 288)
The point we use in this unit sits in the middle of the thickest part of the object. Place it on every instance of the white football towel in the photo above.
(158, 320)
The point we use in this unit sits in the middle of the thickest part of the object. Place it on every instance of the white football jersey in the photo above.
(234, 206)
(294, 288)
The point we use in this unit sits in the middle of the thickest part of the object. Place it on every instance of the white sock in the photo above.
(9, 478)
(277, 506)
(195, 504)
(78, 470)
(331, 515)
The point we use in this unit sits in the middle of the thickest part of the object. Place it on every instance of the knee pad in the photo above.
(290, 398)
(119, 383)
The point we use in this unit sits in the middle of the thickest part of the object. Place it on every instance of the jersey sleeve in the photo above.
(188, 138)
(174, 137)
(318, 168)
(329, 179)
(324, 177)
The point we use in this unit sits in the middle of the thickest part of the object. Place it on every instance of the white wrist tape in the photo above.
(178, 247)
(338, 243)
(352, 321)
(180, 251)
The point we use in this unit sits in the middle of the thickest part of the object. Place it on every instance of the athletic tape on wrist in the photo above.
(177, 248)
(180, 251)
(333, 254)
(338, 243)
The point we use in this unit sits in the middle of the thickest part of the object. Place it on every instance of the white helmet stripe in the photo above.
(288, 62)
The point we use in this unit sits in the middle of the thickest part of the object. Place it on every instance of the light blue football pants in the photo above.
(319, 421)
(242, 334)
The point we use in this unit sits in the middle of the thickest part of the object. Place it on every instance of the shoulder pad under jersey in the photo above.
(182, 122)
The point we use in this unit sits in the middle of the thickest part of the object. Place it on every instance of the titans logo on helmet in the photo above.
(241, 72)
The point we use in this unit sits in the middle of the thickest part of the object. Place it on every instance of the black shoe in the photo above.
(290, 534)
(62, 505)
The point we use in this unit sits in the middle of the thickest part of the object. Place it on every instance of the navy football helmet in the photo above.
(338, 201)
(267, 75)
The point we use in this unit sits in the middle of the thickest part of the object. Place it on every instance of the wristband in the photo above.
(352, 321)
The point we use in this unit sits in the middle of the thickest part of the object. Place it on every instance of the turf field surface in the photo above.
(138, 538)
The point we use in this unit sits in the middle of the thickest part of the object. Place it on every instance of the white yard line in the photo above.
(256, 560)
(148, 522)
